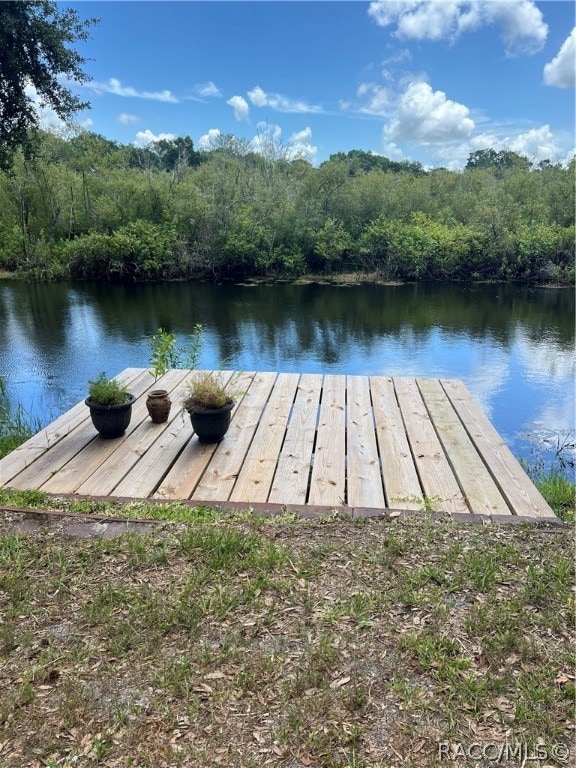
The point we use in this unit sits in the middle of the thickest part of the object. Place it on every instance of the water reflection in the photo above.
(514, 347)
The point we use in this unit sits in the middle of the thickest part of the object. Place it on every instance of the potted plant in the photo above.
(209, 401)
(164, 354)
(110, 406)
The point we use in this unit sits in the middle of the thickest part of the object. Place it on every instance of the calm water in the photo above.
(513, 347)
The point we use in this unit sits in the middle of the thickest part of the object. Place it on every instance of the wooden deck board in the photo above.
(328, 482)
(219, 479)
(290, 484)
(479, 488)
(522, 495)
(255, 477)
(401, 484)
(364, 476)
(295, 439)
(17, 461)
(438, 482)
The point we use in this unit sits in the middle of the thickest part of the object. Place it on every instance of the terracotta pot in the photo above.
(158, 404)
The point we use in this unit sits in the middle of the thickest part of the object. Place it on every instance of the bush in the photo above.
(137, 251)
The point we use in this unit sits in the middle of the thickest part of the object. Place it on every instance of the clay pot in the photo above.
(158, 404)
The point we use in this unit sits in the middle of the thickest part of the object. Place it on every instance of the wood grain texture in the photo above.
(290, 484)
(401, 483)
(328, 481)
(365, 487)
(522, 495)
(479, 488)
(438, 482)
(255, 477)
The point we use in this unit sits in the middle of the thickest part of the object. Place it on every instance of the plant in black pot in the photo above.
(164, 354)
(110, 406)
(209, 401)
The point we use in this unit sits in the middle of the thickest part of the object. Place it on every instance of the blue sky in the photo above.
(425, 80)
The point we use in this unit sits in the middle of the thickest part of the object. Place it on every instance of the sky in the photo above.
(420, 80)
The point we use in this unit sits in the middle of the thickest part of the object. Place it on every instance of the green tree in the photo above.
(497, 161)
(34, 40)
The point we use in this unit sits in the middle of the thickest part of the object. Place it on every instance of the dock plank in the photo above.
(522, 495)
(436, 476)
(290, 484)
(401, 484)
(479, 488)
(218, 481)
(365, 487)
(328, 480)
(186, 472)
(255, 478)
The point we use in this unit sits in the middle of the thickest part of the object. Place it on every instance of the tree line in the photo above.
(85, 207)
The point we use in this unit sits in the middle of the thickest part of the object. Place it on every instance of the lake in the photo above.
(512, 346)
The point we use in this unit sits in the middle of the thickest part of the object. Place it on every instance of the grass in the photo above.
(559, 492)
(244, 642)
(16, 426)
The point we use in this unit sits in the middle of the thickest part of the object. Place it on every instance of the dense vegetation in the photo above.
(88, 208)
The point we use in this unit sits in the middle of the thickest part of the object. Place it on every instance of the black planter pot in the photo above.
(111, 420)
(211, 424)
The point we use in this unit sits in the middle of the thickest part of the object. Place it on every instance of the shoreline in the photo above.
(344, 279)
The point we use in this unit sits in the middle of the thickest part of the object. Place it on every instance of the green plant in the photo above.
(208, 390)
(105, 391)
(16, 426)
(164, 354)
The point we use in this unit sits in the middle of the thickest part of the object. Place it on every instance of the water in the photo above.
(512, 346)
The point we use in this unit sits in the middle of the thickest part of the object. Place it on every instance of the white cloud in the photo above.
(115, 87)
(429, 117)
(523, 27)
(379, 98)
(143, 138)
(561, 71)
(536, 144)
(209, 89)
(300, 145)
(280, 103)
(240, 107)
(258, 97)
(208, 140)
(267, 140)
(393, 151)
(127, 119)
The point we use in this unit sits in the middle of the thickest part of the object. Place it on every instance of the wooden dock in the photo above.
(295, 441)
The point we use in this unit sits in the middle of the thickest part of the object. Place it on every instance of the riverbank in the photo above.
(243, 642)
(335, 278)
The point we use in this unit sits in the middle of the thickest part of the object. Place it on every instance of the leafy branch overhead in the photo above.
(36, 39)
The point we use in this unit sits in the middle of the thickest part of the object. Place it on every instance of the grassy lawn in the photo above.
(241, 642)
